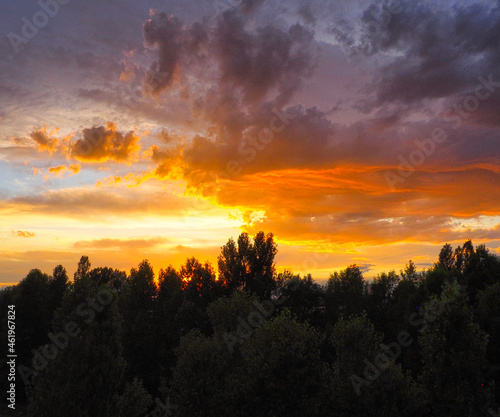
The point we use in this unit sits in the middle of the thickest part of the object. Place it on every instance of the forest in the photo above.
(248, 341)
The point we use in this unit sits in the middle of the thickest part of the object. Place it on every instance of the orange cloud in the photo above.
(354, 204)
(114, 180)
(91, 202)
(122, 244)
(44, 139)
(57, 170)
(106, 143)
(20, 233)
(97, 144)
(62, 169)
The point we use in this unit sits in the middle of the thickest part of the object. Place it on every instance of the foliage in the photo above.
(453, 350)
(248, 341)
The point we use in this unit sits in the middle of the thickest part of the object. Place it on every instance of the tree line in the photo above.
(249, 341)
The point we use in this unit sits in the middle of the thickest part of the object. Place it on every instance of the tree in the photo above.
(303, 297)
(434, 280)
(142, 284)
(200, 379)
(282, 373)
(249, 265)
(232, 263)
(365, 381)
(262, 269)
(199, 282)
(103, 275)
(487, 311)
(479, 270)
(276, 370)
(34, 311)
(458, 257)
(137, 306)
(406, 301)
(255, 343)
(83, 268)
(410, 272)
(453, 350)
(57, 286)
(134, 401)
(83, 374)
(166, 321)
(227, 313)
(446, 258)
(344, 293)
(60, 278)
(380, 298)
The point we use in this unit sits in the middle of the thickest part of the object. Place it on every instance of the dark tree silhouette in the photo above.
(249, 265)
(83, 268)
(252, 342)
(344, 293)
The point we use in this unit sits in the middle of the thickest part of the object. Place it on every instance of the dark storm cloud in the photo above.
(257, 62)
(164, 32)
(249, 6)
(307, 14)
(439, 52)
(247, 71)
(177, 44)
(254, 62)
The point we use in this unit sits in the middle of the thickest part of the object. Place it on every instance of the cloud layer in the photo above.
(339, 126)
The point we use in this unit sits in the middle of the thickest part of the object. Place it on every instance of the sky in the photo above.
(357, 132)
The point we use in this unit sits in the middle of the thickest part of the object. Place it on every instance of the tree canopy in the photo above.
(245, 340)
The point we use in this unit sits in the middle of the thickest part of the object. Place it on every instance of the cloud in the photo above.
(121, 244)
(96, 144)
(106, 143)
(14, 154)
(164, 32)
(99, 203)
(352, 205)
(307, 14)
(174, 41)
(249, 6)
(315, 176)
(271, 140)
(44, 139)
(61, 169)
(439, 51)
(20, 233)
(252, 63)
(258, 62)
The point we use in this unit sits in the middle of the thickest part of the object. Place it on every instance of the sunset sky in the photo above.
(356, 131)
